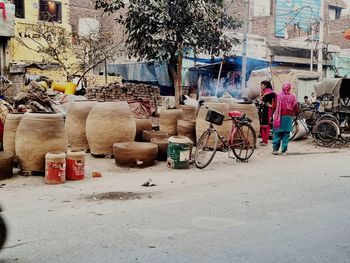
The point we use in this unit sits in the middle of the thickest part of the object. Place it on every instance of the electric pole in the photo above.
(320, 42)
(245, 40)
(312, 49)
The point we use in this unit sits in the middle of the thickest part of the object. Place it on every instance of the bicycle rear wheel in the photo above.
(205, 149)
(325, 133)
(329, 117)
(244, 142)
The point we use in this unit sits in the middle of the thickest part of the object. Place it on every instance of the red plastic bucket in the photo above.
(75, 165)
(55, 168)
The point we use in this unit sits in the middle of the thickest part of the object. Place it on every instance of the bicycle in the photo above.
(241, 140)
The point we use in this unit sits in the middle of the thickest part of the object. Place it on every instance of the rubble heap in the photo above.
(127, 91)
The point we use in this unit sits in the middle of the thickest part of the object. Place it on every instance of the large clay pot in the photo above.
(6, 165)
(202, 124)
(168, 120)
(189, 112)
(187, 128)
(38, 134)
(10, 128)
(141, 125)
(109, 123)
(250, 110)
(76, 124)
(135, 154)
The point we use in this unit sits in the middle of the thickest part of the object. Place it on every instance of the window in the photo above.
(262, 8)
(19, 8)
(50, 11)
(334, 12)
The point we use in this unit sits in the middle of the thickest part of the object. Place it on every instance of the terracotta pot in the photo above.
(10, 128)
(187, 128)
(202, 124)
(38, 134)
(108, 123)
(148, 135)
(135, 154)
(76, 124)
(168, 120)
(162, 144)
(6, 165)
(141, 125)
(189, 112)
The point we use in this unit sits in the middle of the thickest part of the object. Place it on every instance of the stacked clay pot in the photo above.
(135, 154)
(109, 123)
(168, 120)
(147, 136)
(142, 125)
(10, 128)
(189, 112)
(162, 148)
(38, 134)
(202, 124)
(187, 128)
(76, 124)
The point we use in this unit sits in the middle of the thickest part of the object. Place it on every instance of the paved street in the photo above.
(274, 209)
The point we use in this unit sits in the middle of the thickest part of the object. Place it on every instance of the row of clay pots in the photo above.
(97, 125)
(31, 135)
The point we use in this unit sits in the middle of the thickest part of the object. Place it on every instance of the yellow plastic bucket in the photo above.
(67, 88)
(70, 88)
(58, 86)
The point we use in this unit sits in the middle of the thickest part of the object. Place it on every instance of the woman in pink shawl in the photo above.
(286, 107)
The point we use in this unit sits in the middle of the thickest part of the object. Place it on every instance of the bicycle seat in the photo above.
(234, 114)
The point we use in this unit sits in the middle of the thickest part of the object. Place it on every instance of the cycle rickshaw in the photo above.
(334, 97)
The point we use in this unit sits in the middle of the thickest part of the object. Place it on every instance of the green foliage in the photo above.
(156, 29)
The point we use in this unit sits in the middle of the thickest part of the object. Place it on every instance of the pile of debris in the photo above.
(33, 97)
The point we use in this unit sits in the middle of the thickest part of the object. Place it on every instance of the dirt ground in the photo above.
(271, 209)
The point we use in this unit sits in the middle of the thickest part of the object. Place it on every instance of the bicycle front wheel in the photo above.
(325, 133)
(244, 142)
(205, 149)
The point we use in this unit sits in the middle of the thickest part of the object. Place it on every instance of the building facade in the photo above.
(30, 13)
(7, 30)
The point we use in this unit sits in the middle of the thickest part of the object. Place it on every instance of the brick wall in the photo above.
(110, 30)
(117, 91)
(336, 30)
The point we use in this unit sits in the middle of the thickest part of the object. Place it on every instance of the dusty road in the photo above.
(292, 208)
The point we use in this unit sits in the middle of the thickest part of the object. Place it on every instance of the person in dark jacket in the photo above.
(267, 98)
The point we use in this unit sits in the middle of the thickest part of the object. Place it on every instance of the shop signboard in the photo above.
(301, 13)
(7, 19)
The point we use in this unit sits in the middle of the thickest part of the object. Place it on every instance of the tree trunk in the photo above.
(178, 89)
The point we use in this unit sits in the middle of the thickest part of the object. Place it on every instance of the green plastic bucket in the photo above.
(179, 149)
